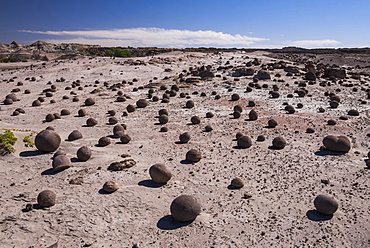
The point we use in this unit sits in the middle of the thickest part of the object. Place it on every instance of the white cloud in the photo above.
(144, 37)
(314, 43)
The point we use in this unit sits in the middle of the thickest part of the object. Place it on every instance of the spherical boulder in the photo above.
(112, 120)
(91, 122)
(235, 97)
(163, 119)
(253, 115)
(337, 143)
(185, 208)
(82, 112)
(110, 186)
(193, 156)
(104, 141)
(47, 141)
(237, 114)
(125, 139)
(142, 103)
(163, 112)
(326, 204)
(84, 153)
(279, 142)
(75, 135)
(190, 104)
(195, 120)
(244, 142)
(46, 198)
(160, 173)
(130, 108)
(61, 162)
(185, 137)
(208, 128)
(237, 182)
(272, 123)
(89, 101)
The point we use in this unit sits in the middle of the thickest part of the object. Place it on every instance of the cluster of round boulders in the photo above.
(111, 186)
(326, 204)
(89, 101)
(185, 137)
(60, 163)
(91, 122)
(195, 120)
(237, 183)
(160, 173)
(163, 119)
(104, 141)
(46, 198)
(185, 208)
(125, 139)
(279, 142)
(244, 141)
(272, 123)
(47, 141)
(253, 115)
(84, 153)
(337, 143)
(142, 103)
(75, 135)
(193, 156)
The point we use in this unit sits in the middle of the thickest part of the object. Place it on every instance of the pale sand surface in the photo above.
(283, 183)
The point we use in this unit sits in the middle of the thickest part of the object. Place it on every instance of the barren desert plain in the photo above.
(307, 95)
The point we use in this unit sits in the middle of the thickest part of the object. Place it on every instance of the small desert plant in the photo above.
(27, 141)
(7, 140)
(116, 52)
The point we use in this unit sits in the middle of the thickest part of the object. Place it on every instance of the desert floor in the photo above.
(283, 183)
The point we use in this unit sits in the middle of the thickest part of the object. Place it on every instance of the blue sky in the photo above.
(171, 23)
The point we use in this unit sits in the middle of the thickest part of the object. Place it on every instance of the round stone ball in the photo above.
(160, 173)
(65, 112)
(125, 139)
(142, 103)
(110, 186)
(59, 152)
(82, 112)
(208, 128)
(46, 198)
(193, 156)
(185, 208)
(253, 115)
(112, 120)
(235, 97)
(49, 117)
(47, 141)
(334, 104)
(130, 108)
(61, 162)
(75, 135)
(190, 104)
(326, 204)
(84, 153)
(238, 108)
(164, 129)
(104, 141)
(310, 130)
(91, 122)
(163, 119)
(209, 114)
(237, 182)
(237, 114)
(185, 137)
(279, 142)
(244, 142)
(195, 120)
(89, 101)
(238, 135)
(8, 101)
(290, 109)
(36, 103)
(353, 112)
(163, 112)
(272, 123)
(261, 138)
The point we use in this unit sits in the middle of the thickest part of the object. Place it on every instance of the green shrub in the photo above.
(117, 52)
(7, 140)
(28, 142)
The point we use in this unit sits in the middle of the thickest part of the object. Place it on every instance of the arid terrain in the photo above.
(280, 184)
